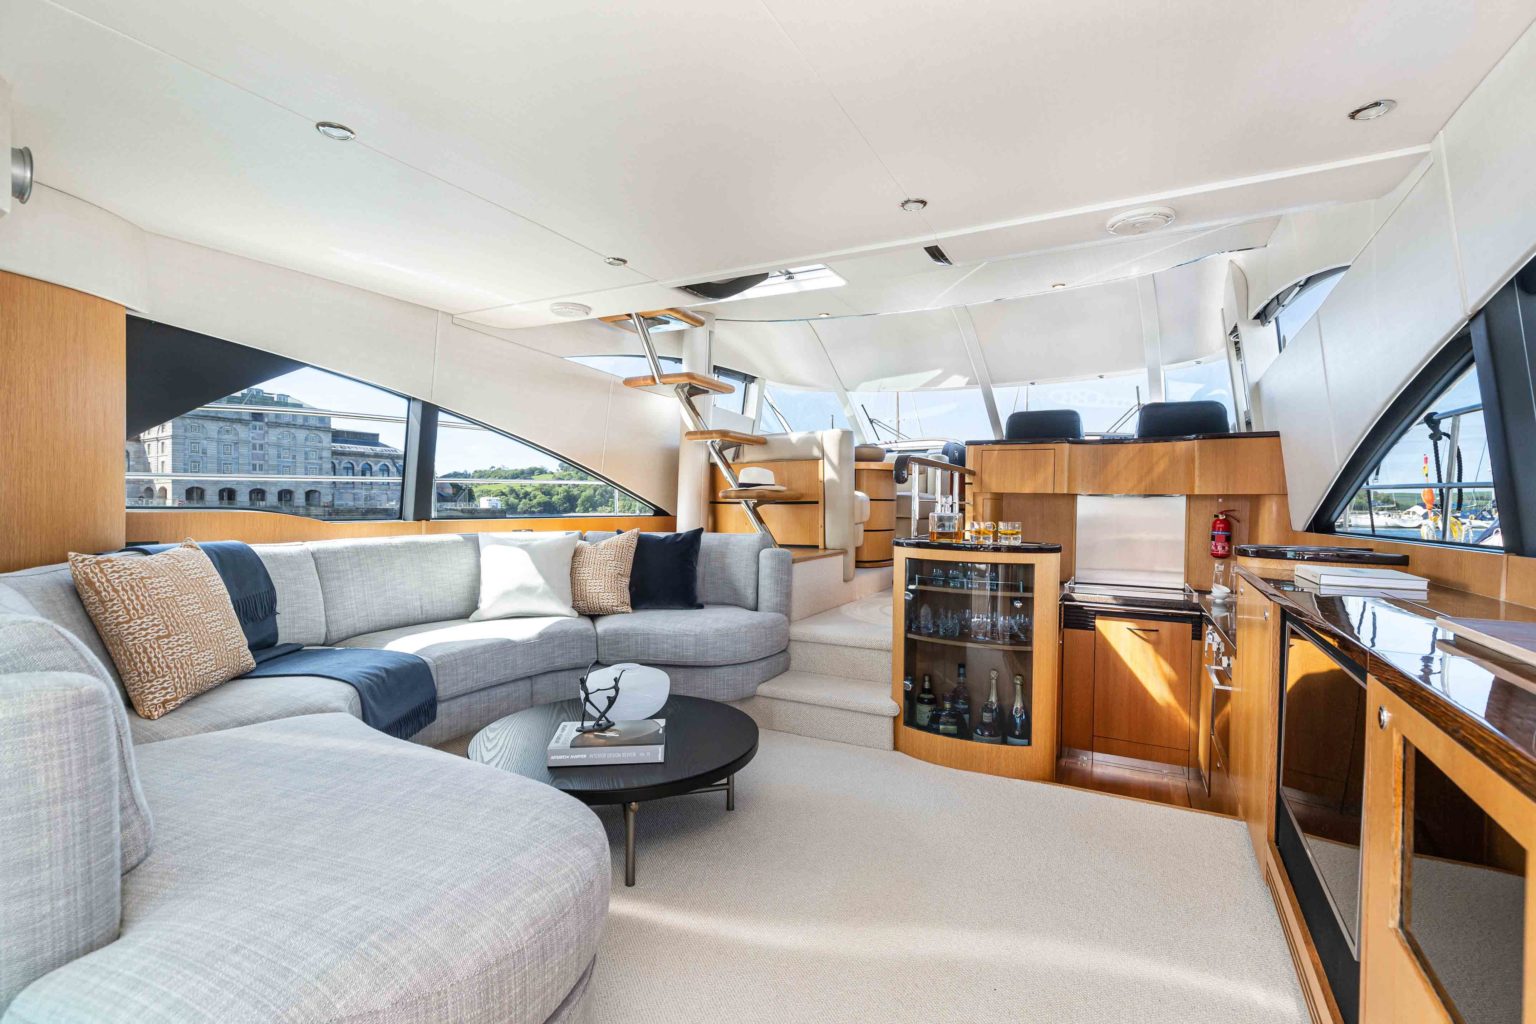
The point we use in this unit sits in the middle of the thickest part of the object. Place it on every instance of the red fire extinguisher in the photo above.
(1221, 533)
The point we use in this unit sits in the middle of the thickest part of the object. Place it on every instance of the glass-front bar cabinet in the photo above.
(975, 655)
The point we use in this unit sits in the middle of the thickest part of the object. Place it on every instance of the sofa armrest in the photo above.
(60, 851)
(775, 571)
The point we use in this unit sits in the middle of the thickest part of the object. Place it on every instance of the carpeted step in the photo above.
(834, 708)
(826, 659)
(851, 641)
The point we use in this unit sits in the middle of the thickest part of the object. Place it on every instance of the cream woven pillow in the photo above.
(600, 575)
(167, 621)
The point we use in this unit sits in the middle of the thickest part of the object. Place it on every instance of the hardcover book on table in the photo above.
(639, 742)
(1360, 576)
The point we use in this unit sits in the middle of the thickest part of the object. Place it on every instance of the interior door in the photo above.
(1447, 926)
(1142, 689)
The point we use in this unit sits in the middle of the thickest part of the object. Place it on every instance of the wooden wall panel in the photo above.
(1051, 518)
(276, 527)
(797, 525)
(1249, 465)
(875, 550)
(63, 411)
(1163, 468)
(800, 475)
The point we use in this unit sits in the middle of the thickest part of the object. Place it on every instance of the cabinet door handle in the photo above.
(1143, 629)
(1216, 683)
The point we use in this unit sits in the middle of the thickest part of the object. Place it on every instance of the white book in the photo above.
(1360, 576)
(1325, 590)
(641, 742)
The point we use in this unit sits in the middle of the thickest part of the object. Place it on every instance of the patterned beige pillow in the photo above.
(167, 622)
(600, 575)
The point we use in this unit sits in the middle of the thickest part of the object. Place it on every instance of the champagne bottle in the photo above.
(926, 703)
(989, 730)
(1017, 731)
(960, 696)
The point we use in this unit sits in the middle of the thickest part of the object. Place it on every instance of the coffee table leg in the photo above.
(730, 792)
(630, 810)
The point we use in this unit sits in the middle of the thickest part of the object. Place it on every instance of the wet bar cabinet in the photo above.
(965, 615)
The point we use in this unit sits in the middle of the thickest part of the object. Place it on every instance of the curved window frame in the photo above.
(1405, 413)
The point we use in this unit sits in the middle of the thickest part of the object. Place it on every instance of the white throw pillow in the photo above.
(525, 574)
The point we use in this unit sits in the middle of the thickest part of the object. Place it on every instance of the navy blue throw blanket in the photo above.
(396, 690)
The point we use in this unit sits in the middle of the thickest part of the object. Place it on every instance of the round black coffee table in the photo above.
(707, 744)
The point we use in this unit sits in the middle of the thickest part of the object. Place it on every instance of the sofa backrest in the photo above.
(48, 592)
(381, 583)
(727, 566)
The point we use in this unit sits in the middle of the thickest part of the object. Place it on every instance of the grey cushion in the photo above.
(248, 701)
(775, 577)
(60, 851)
(469, 656)
(371, 585)
(713, 635)
(29, 644)
(300, 603)
(50, 590)
(316, 870)
(728, 568)
(728, 564)
(725, 682)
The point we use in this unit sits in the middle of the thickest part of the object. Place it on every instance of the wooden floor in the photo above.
(1158, 785)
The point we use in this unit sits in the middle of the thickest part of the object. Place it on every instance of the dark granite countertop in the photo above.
(1026, 548)
(1319, 553)
(1481, 698)
(1131, 440)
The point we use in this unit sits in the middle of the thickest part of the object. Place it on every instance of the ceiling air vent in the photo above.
(938, 255)
(1139, 222)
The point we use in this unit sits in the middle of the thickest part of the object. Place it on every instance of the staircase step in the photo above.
(698, 384)
(728, 436)
(758, 496)
(864, 623)
(863, 663)
(826, 707)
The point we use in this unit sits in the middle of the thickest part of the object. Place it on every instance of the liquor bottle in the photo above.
(989, 729)
(1017, 729)
(909, 708)
(960, 699)
(945, 721)
(926, 703)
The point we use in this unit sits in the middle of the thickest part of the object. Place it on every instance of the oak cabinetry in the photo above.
(1447, 923)
(1216, 466)
(1015, 469)
(1142, 690)
(1255, 710)
(1161, 467)
(1077, 680)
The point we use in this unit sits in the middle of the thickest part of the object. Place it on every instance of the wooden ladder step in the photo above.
(728, 436)
(698, 383)
(758, 496)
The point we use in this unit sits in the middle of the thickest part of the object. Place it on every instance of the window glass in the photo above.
(1107, 404)
(1293, 316)
(736, 401)
(261, 433)
(956, 414)
(485, 474)
(804, 410)
(1434, 483)
(1204, 380)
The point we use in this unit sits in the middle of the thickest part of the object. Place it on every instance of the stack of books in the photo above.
(1364, 580)
(639, 742)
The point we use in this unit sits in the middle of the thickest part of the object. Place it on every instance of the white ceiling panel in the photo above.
(1073, 333)
(898, 352)
(188, 156)
(994, 110)
(787, 353)
(1189, 310)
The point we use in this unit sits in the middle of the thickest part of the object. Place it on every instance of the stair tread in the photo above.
(858, 695)
(729, 436)
(698, 381)
(863, 623)
(758, 496)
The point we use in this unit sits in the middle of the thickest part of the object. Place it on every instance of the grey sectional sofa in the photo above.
(260, 854)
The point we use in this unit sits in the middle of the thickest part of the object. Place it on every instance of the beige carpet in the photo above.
(859, 885)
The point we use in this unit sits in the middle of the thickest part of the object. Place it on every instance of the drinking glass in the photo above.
(1010, 533)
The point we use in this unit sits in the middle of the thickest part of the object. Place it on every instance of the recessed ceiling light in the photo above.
(332, 130)
(1059, 284)
(823, 314)
(914, 205)
(1371, 111)
(572, 310)
(616, 261)
(1139, 222)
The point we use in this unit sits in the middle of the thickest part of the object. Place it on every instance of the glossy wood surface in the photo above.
(1037, 761)
(697, 381)
(1142, 692)
(792, 525)
(1077, 681)
(277, 527)
(1239, 464)
(802, 475)
(875, 549)
(1020, 470)
(729, 436)
(1165, 468)
(62, 414)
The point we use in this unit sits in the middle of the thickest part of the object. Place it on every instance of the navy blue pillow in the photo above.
(666, 571)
